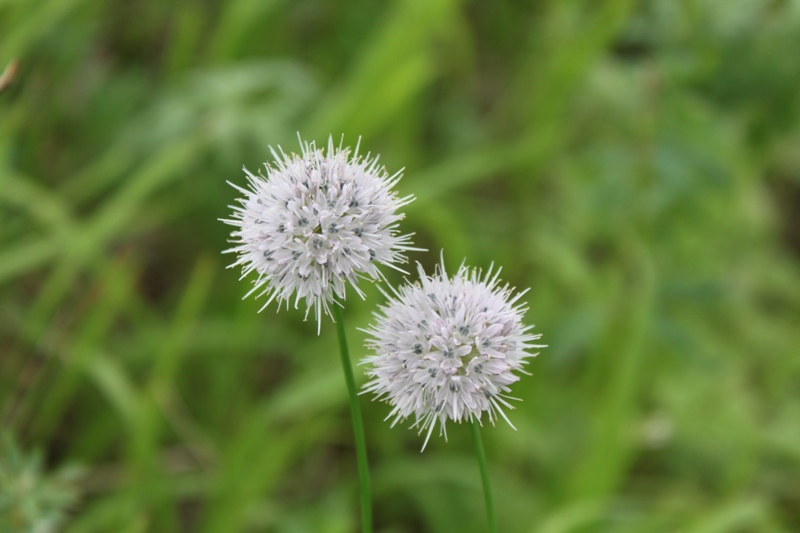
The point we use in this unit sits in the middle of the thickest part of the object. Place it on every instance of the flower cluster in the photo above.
(443, 347)
(315, 222)
(448, 348)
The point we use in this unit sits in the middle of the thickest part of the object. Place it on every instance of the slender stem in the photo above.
(358, 423)
(487, 487)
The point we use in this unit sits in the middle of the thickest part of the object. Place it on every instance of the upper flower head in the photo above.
(448, 348)
(316, 221)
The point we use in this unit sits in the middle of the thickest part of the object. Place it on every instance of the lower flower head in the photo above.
(448, 348)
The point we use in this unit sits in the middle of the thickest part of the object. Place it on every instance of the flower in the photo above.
(448, 348)
(316, 221)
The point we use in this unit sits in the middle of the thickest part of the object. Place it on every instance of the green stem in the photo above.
(358, 423)
(487, 487)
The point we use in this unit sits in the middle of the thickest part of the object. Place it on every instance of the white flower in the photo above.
(448, 348)
(316, 221)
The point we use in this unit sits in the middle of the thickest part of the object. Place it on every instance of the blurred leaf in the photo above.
(32, 501)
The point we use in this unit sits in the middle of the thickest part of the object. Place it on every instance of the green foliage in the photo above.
(634, 163)
(30, 500)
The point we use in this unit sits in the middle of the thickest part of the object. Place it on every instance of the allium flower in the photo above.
(448, 348)
(316, 221)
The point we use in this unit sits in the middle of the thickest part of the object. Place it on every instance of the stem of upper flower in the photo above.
(487, 487)
(358, 423)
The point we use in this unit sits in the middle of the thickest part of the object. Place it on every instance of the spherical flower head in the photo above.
(448, 348)
(316, 222)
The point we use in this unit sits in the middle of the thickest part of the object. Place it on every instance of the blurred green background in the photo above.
(637, 164)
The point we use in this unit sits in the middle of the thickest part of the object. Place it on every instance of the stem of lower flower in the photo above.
(358, 423)
(487, 487)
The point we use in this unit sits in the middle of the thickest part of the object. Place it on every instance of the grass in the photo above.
(634, 163)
